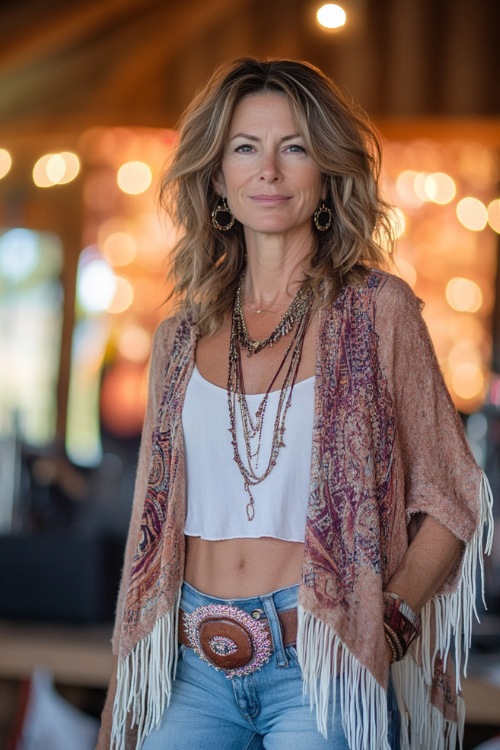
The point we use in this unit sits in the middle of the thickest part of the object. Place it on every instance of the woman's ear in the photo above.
(218, 182)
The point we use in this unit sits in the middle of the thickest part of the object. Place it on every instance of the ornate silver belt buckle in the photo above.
(228, 639)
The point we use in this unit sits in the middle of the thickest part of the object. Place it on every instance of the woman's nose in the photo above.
(269, 171)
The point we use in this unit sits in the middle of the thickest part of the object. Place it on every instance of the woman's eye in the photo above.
(296, 148)
(244, 148)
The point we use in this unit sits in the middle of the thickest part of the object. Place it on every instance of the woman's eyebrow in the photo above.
(256, 138)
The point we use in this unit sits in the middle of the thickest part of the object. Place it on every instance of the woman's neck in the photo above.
(275, 268)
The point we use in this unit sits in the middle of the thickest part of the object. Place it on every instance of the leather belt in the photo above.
(232, 640)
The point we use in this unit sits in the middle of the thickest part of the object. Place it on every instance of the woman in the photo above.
(306, 511)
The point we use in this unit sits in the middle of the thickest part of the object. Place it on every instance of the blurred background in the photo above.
(90, 95)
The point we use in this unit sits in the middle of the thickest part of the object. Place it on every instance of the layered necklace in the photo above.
(299, 312)
(295, 312)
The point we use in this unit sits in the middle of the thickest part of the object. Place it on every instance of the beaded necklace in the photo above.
(295, 312)
(253, 427)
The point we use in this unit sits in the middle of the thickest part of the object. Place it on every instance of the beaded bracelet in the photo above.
(401, 624)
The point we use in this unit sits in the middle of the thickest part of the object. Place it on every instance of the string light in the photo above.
(123, 296)
(134, 177)
(56, 169)
(494, 215)
(331, 16)
(463, 295)
(120, 248)
(5, 162)
(472, 214)
(467, 380)
(440, 188)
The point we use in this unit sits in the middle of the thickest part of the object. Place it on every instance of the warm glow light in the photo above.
(440, 188)
(405, 186)
(96, 285)
(56, 169)
(407, 271)
(134, 177)
(472, 214)
(134, 343)
(467, 380)
(5, 162)
(123, 296)
(331, 16)
(40, 176)
(71, 166)
(419, 185)
(120, 248)
(494, 215)
(465, 351)
(463, 295)
(123, 398)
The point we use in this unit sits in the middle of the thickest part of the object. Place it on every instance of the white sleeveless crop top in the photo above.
(216, 498)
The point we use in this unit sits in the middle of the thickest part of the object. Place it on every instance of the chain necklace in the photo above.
(253, 427)
(296, 310)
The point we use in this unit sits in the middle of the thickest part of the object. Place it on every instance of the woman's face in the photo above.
(271, 183)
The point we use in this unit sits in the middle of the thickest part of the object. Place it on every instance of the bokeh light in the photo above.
(56, 169)
(494, 215)
(120, 248)
(467, 380)
(134, 177)
(331, 16)
(472, 214)
(134, 343)
(463, 295)
(71, 166)
(440, 188)
(123, 296)
(5, 162)
(19, 254)
(123, 399)
(96, 285)
(419, 186)
(405, 187)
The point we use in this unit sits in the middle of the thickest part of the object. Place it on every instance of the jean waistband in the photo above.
(283, 599)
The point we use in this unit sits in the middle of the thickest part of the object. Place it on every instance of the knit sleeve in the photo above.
(155, 387)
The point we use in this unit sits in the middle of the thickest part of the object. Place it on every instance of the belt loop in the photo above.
(275, 627)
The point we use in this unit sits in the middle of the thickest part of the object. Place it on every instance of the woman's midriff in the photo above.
(239, 568)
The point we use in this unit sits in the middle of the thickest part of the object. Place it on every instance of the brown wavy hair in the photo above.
(206, 264)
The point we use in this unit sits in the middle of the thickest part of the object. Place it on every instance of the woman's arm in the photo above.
(426, 565)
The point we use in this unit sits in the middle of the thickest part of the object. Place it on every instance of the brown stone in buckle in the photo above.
(226, 627)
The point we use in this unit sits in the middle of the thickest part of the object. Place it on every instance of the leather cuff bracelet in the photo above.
(401, 624)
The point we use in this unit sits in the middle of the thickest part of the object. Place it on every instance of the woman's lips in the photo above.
(270, 200)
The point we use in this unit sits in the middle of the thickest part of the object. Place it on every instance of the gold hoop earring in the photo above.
(322, 217)
(222, 218)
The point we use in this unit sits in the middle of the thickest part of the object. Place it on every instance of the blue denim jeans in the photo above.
(263, 710)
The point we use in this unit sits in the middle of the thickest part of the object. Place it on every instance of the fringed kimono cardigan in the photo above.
(388, 447)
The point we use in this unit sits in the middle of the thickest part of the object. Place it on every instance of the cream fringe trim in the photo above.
(144, 681)
(363, 702)
(423, 725)
(323, 657)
